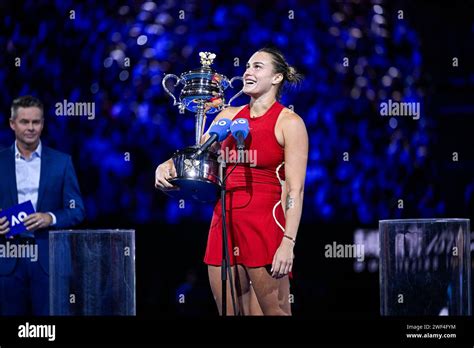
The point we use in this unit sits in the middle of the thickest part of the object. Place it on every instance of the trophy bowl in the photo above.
(202, 85)
(196, 176)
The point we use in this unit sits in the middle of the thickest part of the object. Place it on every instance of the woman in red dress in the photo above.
(264, 195)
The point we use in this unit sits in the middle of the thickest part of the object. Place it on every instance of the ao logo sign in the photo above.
(222, 123)
(18, 219)
(239, 120)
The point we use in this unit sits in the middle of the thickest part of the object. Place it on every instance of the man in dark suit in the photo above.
(31, 171)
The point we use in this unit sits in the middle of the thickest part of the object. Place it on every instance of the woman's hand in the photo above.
(283, 259)
(213, 103)
(163, 173)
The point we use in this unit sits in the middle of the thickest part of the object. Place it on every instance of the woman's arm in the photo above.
(166, 170)
(296, 157)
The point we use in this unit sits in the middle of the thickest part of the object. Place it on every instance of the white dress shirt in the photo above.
(28, 177)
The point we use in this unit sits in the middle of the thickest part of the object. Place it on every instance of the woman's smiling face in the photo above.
(259, 78)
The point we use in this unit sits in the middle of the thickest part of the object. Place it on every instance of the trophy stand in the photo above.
(200, 122)
(202, 177)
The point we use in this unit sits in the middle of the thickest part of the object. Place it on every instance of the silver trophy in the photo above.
(202, 92)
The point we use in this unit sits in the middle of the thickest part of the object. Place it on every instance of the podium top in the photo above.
(423, 221)
(91, 231)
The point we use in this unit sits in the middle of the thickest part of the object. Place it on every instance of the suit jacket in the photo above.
(58, 193)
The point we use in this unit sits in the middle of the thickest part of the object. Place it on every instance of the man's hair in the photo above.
(25, 101)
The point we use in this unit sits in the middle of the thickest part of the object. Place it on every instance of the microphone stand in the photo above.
(226, 269)
(225, 265)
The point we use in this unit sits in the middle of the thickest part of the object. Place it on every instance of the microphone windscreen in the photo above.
(220, 128)
(240, 125)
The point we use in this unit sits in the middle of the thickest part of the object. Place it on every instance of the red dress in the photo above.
(253, 196)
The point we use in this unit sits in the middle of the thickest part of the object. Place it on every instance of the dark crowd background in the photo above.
(115, 54)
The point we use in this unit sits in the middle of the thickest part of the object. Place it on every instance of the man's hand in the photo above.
(36, 221)
(4, 225)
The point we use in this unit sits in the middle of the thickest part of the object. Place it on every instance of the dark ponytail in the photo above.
(291, 77)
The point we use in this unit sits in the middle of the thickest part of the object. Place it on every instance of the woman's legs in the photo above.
(273, 294)
(253, 305)
(242, 291)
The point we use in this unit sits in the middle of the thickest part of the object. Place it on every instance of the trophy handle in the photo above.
(163, 83)
(239, 93)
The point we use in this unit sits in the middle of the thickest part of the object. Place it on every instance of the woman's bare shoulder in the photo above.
(290, 116)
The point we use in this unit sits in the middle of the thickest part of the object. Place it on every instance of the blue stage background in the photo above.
(114, 54)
